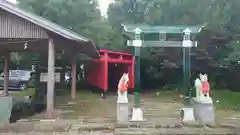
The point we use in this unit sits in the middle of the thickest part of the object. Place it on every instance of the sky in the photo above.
(103, 4)
(13, 1)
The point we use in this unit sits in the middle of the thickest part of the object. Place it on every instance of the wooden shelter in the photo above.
(24, 31)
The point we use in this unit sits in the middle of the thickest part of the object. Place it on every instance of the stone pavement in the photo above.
(101, 126)
(173, 126)
(162, 118)
(61, 127)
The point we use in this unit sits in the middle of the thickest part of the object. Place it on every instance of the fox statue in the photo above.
(123, 88)
(204, 88)
(198, 85)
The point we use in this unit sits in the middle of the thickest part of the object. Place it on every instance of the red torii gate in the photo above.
(112, 64)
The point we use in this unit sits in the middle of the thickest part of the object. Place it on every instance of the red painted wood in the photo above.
(105, 76)
(99, 68)
(113, 52)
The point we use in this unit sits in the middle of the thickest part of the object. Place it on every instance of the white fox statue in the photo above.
(122, 88)
(200, 84)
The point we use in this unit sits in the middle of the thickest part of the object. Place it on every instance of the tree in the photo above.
(81, 16)
(218, 16)
(219, 41)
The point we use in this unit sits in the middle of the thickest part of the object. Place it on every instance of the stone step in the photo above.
(152, 123)
(173, 131)
(79, 119)
(85, 124)
(58, 126)
(134, 131)
(160, 115)
(171, 122)
(98, 120)
(93, 127)
(19, 128)
(149, 125)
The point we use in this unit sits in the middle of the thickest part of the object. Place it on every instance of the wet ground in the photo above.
(90, 115)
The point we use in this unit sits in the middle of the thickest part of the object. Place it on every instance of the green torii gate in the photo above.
(167, 36)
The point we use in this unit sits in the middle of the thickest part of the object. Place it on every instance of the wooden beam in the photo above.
(74, 74)
(167, 44)
(158, 43)
(6, 72)
(51, 78)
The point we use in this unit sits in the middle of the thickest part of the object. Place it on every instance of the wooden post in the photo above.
(105, 71)
(74, 74)
(38, 74)
(105, 75)
(6, 72)
(51, 78)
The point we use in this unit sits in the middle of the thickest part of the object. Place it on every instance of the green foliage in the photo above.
(234, 55)
(225, 99)
(218, 42)
(218, 16)
(81, 16)
(28, 92)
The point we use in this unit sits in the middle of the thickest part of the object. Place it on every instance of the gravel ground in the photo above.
(55, 133)
(95, 116)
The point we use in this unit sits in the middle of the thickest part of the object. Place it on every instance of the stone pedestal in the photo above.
(122, 112)
(203, 111)
(6, 104)
(137, 114)
(122, 108)
(187, 114)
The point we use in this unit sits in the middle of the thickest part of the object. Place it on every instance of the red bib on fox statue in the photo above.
(123, 83)
(123, 89)
(123, 86)
(205, 87)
